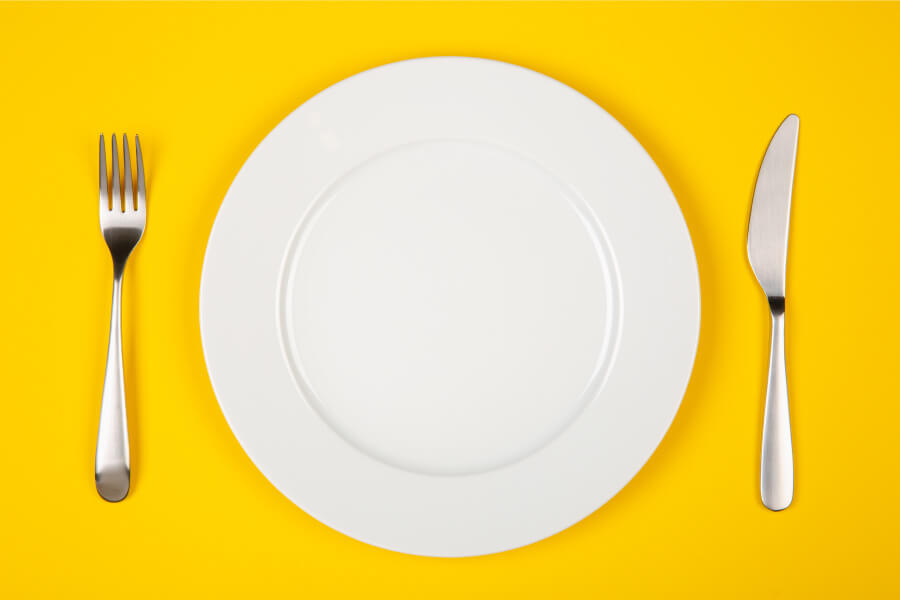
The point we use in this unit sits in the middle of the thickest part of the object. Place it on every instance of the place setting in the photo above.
(450, 306)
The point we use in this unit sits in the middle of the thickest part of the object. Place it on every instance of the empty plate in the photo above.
(449, 306)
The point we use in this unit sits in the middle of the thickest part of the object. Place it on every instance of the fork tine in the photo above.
(128, 199)
(104, 177)
(116, 180)
(141, 190)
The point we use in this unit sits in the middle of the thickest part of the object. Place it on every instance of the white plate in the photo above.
(449, 306)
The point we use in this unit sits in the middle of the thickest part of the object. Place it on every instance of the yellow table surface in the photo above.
(702, 86)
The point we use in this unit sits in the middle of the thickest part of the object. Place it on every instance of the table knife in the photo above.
(767, 242)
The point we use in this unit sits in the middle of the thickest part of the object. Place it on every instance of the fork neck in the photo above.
(118, 270)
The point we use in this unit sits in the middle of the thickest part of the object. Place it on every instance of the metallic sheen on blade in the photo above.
(767, 239)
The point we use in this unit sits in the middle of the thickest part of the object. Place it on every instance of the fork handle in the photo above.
(112, 470)
(777, 469)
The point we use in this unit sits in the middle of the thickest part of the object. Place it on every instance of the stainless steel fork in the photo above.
(122, 221)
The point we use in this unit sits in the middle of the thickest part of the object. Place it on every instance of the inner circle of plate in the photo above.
(270, 246)
(407, 433)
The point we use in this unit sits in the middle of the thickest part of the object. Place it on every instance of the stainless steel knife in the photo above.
(767, 242)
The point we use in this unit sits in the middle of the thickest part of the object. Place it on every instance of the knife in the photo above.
(767, 241)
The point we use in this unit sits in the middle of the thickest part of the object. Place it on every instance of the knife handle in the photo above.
(777, 469)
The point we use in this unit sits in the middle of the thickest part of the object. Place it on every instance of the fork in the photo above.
(122, 221)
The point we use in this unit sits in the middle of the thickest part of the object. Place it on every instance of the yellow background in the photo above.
(702, 86)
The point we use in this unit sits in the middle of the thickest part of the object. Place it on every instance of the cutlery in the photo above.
(767, 241)
(122, 221)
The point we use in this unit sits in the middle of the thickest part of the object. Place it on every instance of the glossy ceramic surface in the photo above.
(449, 306)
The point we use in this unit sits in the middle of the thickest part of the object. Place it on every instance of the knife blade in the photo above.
(767, 241)
(767, 237)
